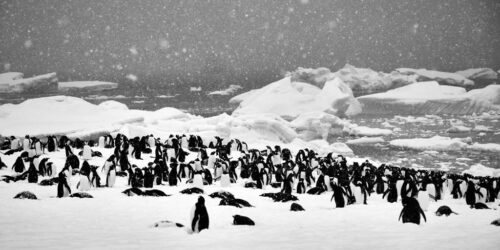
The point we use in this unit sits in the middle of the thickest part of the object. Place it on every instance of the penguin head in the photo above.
(201, 200)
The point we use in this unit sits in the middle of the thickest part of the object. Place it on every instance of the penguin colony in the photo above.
(305, 173)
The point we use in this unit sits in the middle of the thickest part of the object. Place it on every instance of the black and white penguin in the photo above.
(32, 173)
(200, 219)
(444, 210)
(411, 211)
(172, 176)
(470, 193)
(63, 188)
(19, 166)
(148, 178)
(338, 194)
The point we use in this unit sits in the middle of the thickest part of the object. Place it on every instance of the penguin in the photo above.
(19, 163)
(470, 193)
(84, 184)
(411, 211)
(2, 164)
(287, 184)
(391, 192)
(172, 176)
(148, 178)
(338, 194)
(63, 188)
(444, 210)
(32, 173)
(109, 169)
(242, 220)
(200, 220)
(296, 207)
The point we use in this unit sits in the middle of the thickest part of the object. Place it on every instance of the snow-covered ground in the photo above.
(112, 220)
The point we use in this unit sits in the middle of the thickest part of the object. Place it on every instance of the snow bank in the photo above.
(431, 98)
(362, 81)
(289, 99)
(58, 115)
(229, 91)
(87, 85)
(438, 76)
(113, 105)
(13, 82)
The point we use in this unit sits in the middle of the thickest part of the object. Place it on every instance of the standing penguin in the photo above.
(63, 189)
(19, 166)
(200, 218)
(172, 176)
(338, 194)
(470, 193)
(32, 173)
(84, 184)
(411, 211)
(109, 170)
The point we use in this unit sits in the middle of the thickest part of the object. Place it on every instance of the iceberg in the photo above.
(87, 86)
(362, 81)
(431, 98)
(59, 115)
(480, 76)
(229, 91)
(13, 82)
(290, 99)
(445, 78)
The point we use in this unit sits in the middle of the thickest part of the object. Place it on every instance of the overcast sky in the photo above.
(242, 42)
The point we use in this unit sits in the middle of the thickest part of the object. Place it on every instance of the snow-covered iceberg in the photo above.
(87, 86)
(437, 143)
(432, 98)
(446, 78)
(289, 99)
(13, 82)
(362, 81)
(229, 91)
(480, 76)
(59, 115)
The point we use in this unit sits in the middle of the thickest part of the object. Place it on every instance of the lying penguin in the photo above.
(444, 210)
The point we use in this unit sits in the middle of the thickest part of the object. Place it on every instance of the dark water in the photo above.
(199, 103)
